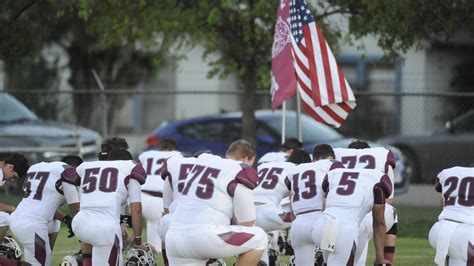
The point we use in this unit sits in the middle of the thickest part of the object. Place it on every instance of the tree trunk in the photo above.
(249, 123)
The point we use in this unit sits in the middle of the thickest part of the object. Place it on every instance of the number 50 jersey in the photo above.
(207, 196)
(103, 185)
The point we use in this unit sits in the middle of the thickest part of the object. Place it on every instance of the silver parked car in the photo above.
(22, 131)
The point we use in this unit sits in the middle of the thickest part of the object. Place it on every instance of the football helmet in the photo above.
(140, 257)
(10, 249)
(73, 260)
(215, 262)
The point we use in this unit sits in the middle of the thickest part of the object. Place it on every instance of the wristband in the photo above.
(137, 240)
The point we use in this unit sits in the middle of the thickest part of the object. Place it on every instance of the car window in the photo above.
(217, 131)
(312, 130)
(464, 123)
(12, 110)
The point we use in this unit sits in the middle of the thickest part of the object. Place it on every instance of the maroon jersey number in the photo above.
(351, 161)
(150, 164)
(309, 179)
(205, 187)
(269, 177)
(347, 183)
(42, 177)
(183, 173)
(108, 179)
(465, 192)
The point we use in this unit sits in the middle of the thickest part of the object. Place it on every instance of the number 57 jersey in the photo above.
(103, 185)
(207, 196)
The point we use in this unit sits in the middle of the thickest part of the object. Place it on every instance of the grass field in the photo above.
(412, 245)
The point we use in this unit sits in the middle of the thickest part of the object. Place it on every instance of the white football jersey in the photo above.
(272, 187)
(273, 157)
(350, 192)
(153, 161)
(43, 189)
(103, 185)
(207, 197)
(371, 158)
(175, 172)
(457, 187)
(305, 181)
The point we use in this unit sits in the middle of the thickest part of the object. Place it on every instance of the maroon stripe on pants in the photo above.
(350, 262)
(40, 249)
(470, 254)
(235, 239)
(114, 252)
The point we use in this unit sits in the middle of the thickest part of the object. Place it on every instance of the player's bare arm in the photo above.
(7, 208)
(379, 231)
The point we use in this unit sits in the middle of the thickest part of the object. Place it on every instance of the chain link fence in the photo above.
(135, 114)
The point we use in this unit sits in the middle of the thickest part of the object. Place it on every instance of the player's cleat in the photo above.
(140, 257)
(10, 249)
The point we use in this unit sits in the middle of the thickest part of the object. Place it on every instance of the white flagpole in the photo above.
(298, 116)
(283, 122)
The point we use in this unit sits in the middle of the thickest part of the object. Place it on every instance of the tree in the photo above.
(25, 31)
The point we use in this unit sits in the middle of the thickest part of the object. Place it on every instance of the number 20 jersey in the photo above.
(457, 187)
(103, 185)
(351, 193)
(207, 197)
(43, 189)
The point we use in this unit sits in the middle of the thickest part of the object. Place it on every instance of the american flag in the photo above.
(325, 93)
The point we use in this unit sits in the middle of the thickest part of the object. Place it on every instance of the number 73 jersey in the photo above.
(103, 185)
(457, 187)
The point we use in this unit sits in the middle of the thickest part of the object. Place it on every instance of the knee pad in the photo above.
(393, 230)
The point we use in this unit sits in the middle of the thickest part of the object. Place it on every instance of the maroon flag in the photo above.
(325, 93)
(283, 71)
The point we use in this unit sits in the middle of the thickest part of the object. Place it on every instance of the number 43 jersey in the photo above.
(457, 187)
(207, 196)
(43, 189)
(103, 185)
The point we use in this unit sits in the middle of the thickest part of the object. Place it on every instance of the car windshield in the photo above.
(313, 131)
(12, 110)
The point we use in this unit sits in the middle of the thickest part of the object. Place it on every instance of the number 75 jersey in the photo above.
(103, 185)
(457, 187)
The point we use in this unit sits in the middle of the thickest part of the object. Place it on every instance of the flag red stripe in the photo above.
(342, 83)
(312, 67)
(327, 68)
(345, 106)
(332, 114)
(312, 113)
(302, 66)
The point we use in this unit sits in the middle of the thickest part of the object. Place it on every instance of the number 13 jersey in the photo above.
(103, 185)
(207, 196)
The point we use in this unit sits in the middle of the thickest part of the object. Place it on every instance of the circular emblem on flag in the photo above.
(281, 38)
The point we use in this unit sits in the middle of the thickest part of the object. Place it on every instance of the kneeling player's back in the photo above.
(103, 185)
(350, 192)
(207, 196)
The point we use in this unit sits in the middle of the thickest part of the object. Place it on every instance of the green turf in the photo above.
(416, 221)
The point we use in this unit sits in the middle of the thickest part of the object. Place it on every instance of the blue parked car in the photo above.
(216, 132)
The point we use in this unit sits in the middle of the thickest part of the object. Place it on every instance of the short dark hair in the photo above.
(19, 162)
(72, 160)
(119, 154)
(299, 156)
(291, 143)
(168, 144)
(322, 151)
(358, 144)
(241, 149)
(111, 143)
